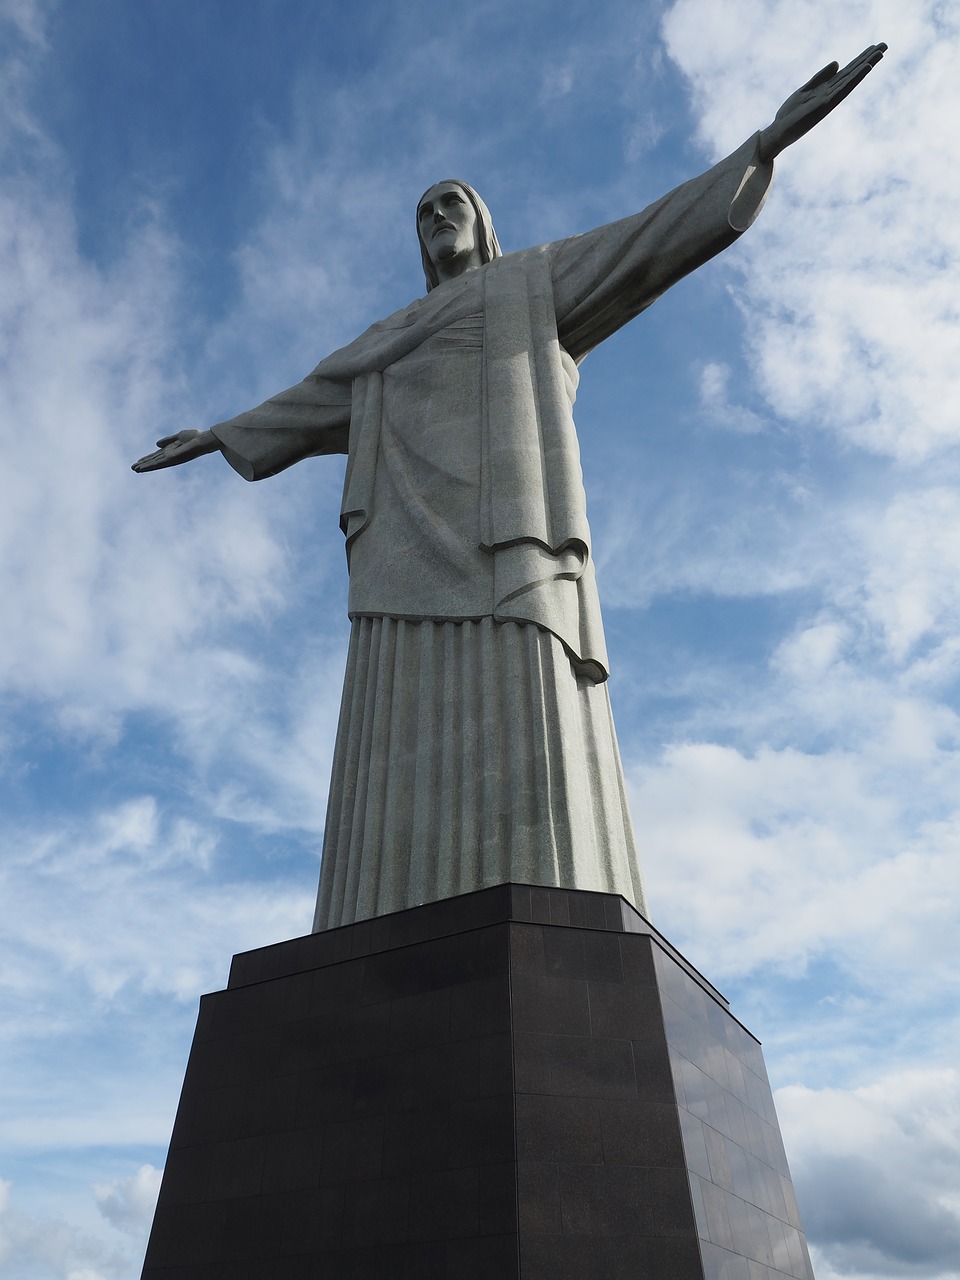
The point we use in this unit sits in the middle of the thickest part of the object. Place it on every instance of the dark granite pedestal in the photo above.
(519, 1084)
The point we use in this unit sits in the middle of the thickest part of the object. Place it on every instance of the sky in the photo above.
(201, 199)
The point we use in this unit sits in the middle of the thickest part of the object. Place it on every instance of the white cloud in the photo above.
(850, 277)
(122, 592)
(128, 1203)
(779, 859)
(714, 381)
(812, 652)
(875, 1169)
(912, 592)
(94, 568)
(150, 906)
(35, 1248)
(24, 23)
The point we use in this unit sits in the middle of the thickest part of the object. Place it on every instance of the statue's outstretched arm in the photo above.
(182, 447)
(305, 421)
(814, 100)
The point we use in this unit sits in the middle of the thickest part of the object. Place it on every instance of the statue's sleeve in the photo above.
(603, 278)
(308, 420)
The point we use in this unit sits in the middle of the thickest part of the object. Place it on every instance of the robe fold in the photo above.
(475, 677)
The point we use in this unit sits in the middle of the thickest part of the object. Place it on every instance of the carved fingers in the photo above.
(845, 81)
(172, 450)
(816, 99)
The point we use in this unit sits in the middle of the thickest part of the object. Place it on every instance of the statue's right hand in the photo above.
(182, 447)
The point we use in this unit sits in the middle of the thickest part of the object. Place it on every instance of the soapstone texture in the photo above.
(437, 819)
(465, 518)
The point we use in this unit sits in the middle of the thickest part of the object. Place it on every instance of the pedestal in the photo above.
(518, 1084)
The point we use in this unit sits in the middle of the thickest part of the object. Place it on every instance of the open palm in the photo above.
(816, 99)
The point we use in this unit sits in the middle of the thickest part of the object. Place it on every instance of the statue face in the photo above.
(448, 227)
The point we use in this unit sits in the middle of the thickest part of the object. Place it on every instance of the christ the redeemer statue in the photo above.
(476, 744)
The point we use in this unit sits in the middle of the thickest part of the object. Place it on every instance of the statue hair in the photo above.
(487, 240)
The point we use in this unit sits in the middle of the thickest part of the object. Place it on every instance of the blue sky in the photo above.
(202, 199)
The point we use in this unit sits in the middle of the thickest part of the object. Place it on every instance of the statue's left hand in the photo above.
(816, 99)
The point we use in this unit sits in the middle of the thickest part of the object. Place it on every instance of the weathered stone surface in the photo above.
(464, 504)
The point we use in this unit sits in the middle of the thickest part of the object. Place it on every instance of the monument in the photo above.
(485, 1061)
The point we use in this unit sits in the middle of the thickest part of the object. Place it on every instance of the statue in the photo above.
(475, 743)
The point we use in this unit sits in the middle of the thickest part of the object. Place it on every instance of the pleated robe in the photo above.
(476, 744)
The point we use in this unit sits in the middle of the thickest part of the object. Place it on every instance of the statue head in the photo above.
(486, 242)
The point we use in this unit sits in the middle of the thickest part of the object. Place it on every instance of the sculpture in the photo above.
(476, 744)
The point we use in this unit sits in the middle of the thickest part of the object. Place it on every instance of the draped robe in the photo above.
(476, 744)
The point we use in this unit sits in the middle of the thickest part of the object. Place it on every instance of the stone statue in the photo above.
(476, 744)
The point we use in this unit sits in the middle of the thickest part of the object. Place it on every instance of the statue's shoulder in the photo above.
(522, 260)
(401, 319)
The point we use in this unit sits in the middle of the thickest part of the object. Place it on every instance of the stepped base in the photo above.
(519, 1084)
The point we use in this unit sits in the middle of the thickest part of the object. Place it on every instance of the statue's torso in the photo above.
(422, 544)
